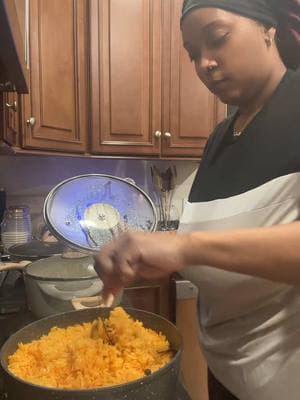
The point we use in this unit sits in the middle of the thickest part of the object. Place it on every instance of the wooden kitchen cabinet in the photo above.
(154, 296)
(111, 77)
(11, 101)
(13, 65)
(190, 111)
(145, 96)
(55, 112)
(126, 76)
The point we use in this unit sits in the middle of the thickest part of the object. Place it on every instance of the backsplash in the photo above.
(28, 179)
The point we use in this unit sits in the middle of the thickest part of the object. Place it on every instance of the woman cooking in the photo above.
(239, 238)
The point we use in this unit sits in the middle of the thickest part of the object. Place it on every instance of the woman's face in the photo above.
(230, 53)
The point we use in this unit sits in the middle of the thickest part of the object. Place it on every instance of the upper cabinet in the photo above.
(13, 46)
(190, 110)
(126, 76)
(111, 77)
(55, 112)
(146, 97)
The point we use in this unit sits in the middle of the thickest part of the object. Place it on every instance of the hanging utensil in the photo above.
(158, 188)
(164, 183)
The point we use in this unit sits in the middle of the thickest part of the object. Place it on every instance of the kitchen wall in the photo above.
(27, 179)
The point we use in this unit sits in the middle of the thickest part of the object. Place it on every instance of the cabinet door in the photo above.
(11, 118)
(193, 110)
(55, 110)
(126, 76)
(13, 71)
(154, 296)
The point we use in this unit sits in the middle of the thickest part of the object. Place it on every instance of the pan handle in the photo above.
(14, 266)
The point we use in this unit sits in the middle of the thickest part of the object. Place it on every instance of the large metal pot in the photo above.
(57, 284)
(160, 385)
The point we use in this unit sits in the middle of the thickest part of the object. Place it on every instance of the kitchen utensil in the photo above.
(107, 302)
(52, 283)
(35, 249)
(96, 325)
(88, 211)
(160, 385)
(58, 284)
(164, 183)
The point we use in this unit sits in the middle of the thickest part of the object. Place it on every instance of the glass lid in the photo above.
(88, 211)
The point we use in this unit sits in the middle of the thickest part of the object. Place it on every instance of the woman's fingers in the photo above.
(104, 266)
(127, 271)
(116, 265)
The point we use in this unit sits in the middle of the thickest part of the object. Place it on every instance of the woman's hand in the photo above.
(140, 255)
(269, 253)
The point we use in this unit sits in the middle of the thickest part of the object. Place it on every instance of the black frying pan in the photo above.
(161, 385)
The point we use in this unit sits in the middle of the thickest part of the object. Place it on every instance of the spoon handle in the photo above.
(107, 299)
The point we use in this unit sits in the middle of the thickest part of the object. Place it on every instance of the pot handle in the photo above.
(81, 303)
(13, 266)
(51, 290)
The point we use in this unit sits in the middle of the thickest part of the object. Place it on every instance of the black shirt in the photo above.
(269, 147)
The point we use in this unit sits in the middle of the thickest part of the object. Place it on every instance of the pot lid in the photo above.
(35, 249)
(58, 268)
(88, 211)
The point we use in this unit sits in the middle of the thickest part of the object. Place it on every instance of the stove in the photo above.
(14, 315)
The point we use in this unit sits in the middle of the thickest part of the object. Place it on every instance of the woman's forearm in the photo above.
(271, 253)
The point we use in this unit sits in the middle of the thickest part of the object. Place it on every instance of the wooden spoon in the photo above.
(107, 301)
(94, 334)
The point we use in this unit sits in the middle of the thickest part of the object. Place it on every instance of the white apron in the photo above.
(249, 327)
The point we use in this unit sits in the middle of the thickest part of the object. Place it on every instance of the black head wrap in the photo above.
(282, 14)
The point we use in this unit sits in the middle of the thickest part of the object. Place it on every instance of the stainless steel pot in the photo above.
(58, 284)
(160, 385)
(52, 283)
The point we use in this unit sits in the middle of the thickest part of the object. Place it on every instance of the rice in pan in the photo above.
(69, 358)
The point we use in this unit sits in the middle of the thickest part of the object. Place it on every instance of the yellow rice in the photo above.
(68, 358)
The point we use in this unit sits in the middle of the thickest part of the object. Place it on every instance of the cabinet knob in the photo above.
(167, 135)
(31, 121)
(13, 106)
(157, 134)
